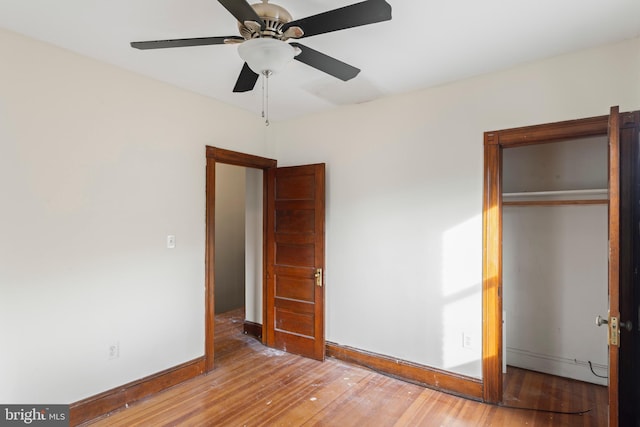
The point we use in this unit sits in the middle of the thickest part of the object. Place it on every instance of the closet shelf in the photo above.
(560, 197)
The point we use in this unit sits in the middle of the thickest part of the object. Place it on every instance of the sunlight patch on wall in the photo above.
(461, 292)
(462, 338)
(461, 257)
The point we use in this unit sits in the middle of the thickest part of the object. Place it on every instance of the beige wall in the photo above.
(97, 166)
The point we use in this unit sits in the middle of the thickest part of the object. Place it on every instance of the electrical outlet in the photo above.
(171, 241)
(114, 351)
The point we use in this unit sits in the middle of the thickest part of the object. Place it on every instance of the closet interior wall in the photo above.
(230, 238)
(555, 257)
(238, 240)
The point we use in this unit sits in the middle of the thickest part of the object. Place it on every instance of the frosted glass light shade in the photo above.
(266, 54)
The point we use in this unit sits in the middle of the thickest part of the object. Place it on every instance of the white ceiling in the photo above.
(427, 42)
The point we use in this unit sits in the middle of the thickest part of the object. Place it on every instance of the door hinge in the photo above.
(614, 331)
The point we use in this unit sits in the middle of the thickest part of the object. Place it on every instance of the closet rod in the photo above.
(594, 192)
(555, 202)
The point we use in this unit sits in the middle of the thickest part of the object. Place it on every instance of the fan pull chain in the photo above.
(262, 95)
(265, 96)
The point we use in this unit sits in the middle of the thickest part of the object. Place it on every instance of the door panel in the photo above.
(291, 220)
(295, 254)
(614, 262)
(294, 318)
(290, 253)
(296, 288)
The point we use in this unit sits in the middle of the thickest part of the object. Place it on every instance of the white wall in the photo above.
(579, 164)
(555, 283)
(230, 238)
(97, 166)
(404, 196)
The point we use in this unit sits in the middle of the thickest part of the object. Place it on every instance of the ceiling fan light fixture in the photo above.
(266, 54)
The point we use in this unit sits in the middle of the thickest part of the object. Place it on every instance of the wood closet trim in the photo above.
(551, 132)
(494, 143)
(220, 155)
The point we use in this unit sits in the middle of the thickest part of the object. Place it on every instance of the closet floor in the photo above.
(529, 389)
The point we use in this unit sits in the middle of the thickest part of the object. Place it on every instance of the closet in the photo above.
(555, 255)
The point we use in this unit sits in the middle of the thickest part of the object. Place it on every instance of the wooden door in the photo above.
(614, 263)
(629, 352)
(295, 260)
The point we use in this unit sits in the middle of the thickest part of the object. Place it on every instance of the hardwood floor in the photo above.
(253, 385)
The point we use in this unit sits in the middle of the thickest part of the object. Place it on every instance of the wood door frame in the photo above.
(494, 142)
(220, 155)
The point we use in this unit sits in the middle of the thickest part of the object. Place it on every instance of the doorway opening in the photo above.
(230, 235)
(238, 239)
(555, 272)
(555, 253)
(250, 280)
(291, 278)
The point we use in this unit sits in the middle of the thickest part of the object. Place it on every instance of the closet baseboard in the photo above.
(556, 365)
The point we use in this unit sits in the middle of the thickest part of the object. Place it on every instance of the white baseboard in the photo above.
(555, 365)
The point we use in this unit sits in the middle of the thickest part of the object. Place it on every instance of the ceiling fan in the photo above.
(265, 29)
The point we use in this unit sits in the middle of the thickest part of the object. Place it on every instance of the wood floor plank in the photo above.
(311, 395)
(385, 397)
(253, 385)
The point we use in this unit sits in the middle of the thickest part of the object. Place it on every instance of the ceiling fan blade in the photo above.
(325, 63)
(241, 10)
(246, 80)
(200, 41)
(355, 15)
